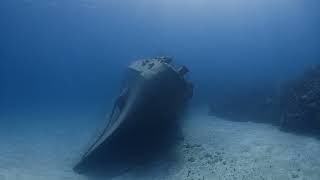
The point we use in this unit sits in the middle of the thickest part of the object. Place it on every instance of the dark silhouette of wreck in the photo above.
(143, 119)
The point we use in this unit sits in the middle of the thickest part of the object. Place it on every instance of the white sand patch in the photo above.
(218, 149)
(212, 149)
(42, 149)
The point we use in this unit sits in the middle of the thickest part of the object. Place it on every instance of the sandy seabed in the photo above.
(212, 148)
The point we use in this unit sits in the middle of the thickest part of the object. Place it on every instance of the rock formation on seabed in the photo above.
(300, 103)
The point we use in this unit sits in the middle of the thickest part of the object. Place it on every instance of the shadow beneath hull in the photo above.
(131, 154)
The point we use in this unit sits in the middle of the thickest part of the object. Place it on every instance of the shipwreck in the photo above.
(153, 97)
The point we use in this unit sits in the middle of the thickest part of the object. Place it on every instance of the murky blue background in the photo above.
(71, 54)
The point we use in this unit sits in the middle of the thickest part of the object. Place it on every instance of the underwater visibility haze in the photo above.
(254, 66)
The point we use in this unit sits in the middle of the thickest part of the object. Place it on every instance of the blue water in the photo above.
(69, 57)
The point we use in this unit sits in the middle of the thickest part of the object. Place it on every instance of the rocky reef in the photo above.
(295, 106)
(300, 102)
